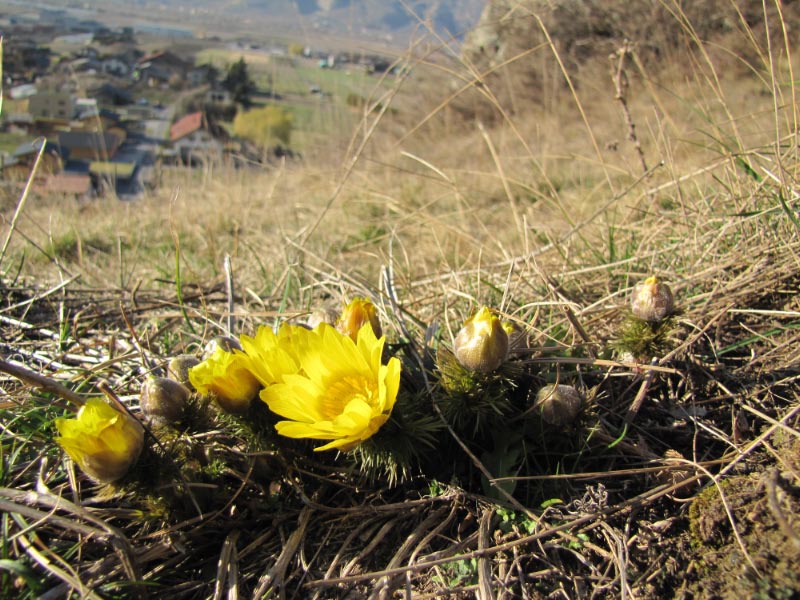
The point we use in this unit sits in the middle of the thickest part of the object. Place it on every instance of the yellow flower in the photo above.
(226, 376)
(355, 315)
(482, 343)
(341, 392)
(102, 441)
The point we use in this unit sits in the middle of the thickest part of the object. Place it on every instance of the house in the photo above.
(194, 138)
(116, 66)
(88, 52)
(16, 123)
(25, 90)
(81, 65)
(20, 164)
(85, 108)
(161, 68)
(52, 105)
(203, 74)
(89, 145)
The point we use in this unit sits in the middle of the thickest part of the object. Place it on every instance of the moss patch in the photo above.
(765, 507)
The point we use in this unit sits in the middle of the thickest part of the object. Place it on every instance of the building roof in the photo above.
(25, 90)
(33, 148)
(18, 118)
(164, 56)
(183, 127)
(101, 143)
(151, 56)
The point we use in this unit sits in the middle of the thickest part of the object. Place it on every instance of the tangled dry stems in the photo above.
(722, 401)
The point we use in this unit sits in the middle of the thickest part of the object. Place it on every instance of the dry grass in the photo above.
(544, 212)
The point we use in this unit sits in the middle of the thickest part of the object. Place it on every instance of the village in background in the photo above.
(115, 106)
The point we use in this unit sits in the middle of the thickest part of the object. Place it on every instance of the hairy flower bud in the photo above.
(163, 400)
(178, 368)
(103, 441)
(356, 314)
(652, 300)
(558, 405)
(482, 343)
(226, 342)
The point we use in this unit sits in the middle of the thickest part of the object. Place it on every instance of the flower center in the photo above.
(346, 389)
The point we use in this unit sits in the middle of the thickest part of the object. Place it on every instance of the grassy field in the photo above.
(679, 476)
(318, 115)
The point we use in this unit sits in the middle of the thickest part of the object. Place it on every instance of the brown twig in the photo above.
(41, 382)
(620, 79)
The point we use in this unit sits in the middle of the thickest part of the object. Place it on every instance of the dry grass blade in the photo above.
(23, 197)
(227, 568)
(273, 580)
(384, 587)
(485, 591)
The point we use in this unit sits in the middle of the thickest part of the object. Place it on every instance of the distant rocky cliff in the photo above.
(585, 30)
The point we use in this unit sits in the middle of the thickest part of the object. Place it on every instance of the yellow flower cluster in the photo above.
(328, 382)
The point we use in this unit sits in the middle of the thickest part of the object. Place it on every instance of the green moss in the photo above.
(725, 571)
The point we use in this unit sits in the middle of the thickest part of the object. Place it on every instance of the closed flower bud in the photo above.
(163, 400)
(355, 315)
(226, 377)
(178, 368)
(652, 300)
(226, 342)
(103, 441)
(322, 315)
(558, 405)
(482, 343)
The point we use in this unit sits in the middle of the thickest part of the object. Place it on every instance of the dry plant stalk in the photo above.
(621, 86)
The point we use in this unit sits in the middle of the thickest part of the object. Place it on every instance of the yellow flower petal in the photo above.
(269, 355)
